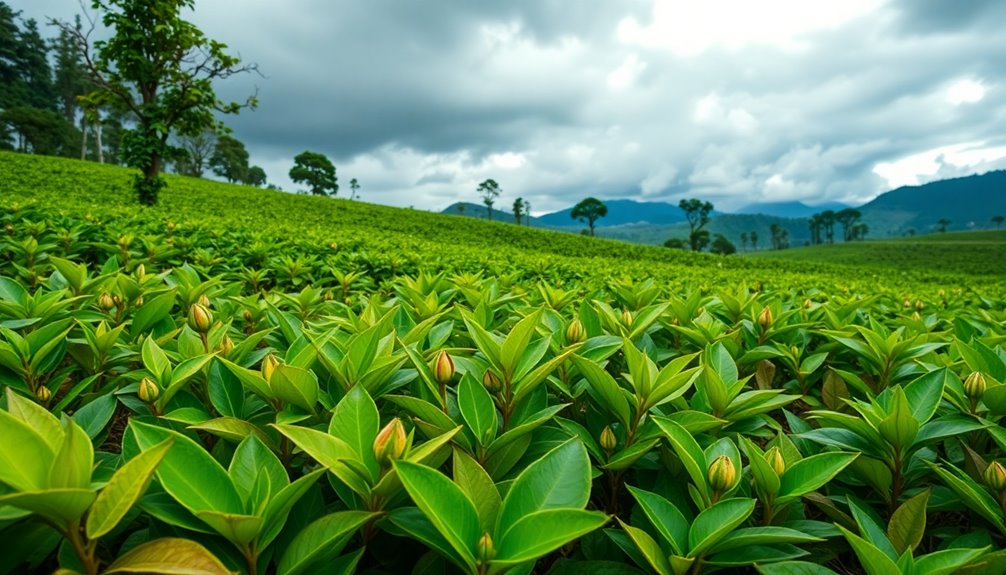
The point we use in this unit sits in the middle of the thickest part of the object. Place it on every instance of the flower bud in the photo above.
(626, 317)
(200, 318)
(8, 229)
(268, 366)
(943, 294)
(975, 386)
(443, 368)
(390, 442)
(226, 346)
(765, 318)
(995, 476)
(203, 301)
(148, 391)
(247, 316)
(807, 303)
(117, 301)
(486, 550)
(776, 460)
(141, 271)
(722, 474)
(907, 303)
(575, 332)
(43, 394)
(608, 440)
(138, 301)
(491, 382)
(106, 302)
(919, 306)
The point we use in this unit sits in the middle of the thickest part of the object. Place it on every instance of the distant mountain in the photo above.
(789, 209)
(471, 210)
(621, 212)
(968, 203)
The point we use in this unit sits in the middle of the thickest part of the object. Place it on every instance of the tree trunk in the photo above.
(97, 142)
(83, 139)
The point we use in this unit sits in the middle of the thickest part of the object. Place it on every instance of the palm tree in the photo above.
(518, 210)
(744, 241)
(754, 240)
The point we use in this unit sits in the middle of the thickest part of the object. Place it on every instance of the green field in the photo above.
(239, 380)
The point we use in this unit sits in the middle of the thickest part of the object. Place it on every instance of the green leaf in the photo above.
(900, 427)
(484, 341)
(189, 473)
(276, 512)
(233, 429)
(37, 417)
(169, 556)
(477, 409)
(517, 341)
(444, 505)
(908, 523)
(123, 490)
(475, 482)
(25, 457)
(607, 389)
(295, 386)
(71, 468)
(63, 506)
(330, 452)
(356, 421)
(947, 561)
(542, 532)
(794, 568)
(559, 479)
(251, 458)
(180, 376)
(874, 561)
(688, 452)
(753, 536)
(812, 472)
(669, 522)
(150, 313)
(651, 551)
(94, 416)
(321, 541)
(155, 360)
(713, 524)
(925, 393)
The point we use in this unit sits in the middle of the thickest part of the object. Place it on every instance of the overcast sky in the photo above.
(733, 101)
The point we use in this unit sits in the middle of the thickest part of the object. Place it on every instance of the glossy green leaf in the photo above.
(123, 490)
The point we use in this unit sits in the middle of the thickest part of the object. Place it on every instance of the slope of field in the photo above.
(373, 237)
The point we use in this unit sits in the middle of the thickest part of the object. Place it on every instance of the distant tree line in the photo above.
(822, 226)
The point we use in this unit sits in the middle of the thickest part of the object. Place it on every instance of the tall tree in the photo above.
(815, 229)
(848, 218)
(353, 187)
(722, 246)
(828, 225)
(589, 210)
(255, 176)
(70, 79)
(754, 240)
(998, 221)
(697, 213)
(230, 159)
(317, 171)
(33, 67)
(776, 234)
(198, 148)
(518, 210)
(744, 241)
(161, 68)
(489, 190)
(942, 224)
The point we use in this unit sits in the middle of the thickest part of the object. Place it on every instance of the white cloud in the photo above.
(626, 73)
(926, 166)
(965, 91)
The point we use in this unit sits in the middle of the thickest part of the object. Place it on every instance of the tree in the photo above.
(828, 225)
(316, 171)
(860, 230)
(754, 240)
(39, 131)
(848, 218)
(697, 214)
(353, 186)
(676, 244)
(230, 159)
(589, 210)
(744, 241)
(489, 190)
(998, 221)
(942, 224)
(518, 210)
(815, 224)
(197, 148)
(721, 245)
(527, 212)
(161, 68)
(70, 80)
(776, 232)
(698, 240)
(255, 176)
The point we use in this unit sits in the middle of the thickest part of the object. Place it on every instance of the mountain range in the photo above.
(967, 203)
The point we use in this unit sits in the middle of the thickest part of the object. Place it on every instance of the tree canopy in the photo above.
(589, 210)
(489, 190)
(317, 171)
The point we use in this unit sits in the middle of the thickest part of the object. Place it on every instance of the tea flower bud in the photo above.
(43, 394)
(722, 474)
(141, 271)
(390, 442)
(148, 391)
(486, 550)
(226, 346)
(491, 382)
(626, 317)
(765, 318)
(975, 386)
(268, 366)
(106, 302)
(247, 316)
(995, 476)
(203, 301)
(200, 318)
(608, 440)
(443, 368)
(776, 460)
(8, 229)
(919, 306)
(575, 332)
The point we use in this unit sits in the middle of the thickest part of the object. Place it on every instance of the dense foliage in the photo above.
(209, 387)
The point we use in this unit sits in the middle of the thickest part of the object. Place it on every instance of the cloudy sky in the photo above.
(734, 101)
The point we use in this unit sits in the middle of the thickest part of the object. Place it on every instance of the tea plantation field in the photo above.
(247, 381)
